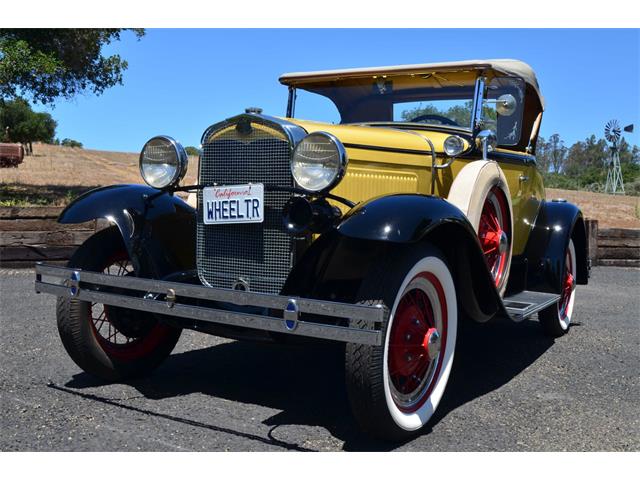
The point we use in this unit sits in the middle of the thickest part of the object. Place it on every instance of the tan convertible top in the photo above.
(509, 67)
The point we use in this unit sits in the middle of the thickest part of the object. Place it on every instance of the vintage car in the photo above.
(420, 207)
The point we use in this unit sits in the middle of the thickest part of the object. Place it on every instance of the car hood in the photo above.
(382, 138)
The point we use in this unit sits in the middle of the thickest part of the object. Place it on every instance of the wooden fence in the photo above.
(614, 247)
(31, 234)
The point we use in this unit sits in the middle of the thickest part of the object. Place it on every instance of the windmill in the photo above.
(612, 132)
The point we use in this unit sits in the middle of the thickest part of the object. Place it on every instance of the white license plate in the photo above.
(233, 204)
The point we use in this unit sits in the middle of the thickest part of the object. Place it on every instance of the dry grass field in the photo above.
(55, 175)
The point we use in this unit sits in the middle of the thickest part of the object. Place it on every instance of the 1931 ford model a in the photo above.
(423, 205)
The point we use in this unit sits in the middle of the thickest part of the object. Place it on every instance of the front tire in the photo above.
(109, 342)
(394, 389)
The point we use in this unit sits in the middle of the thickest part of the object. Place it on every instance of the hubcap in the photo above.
(431, 343)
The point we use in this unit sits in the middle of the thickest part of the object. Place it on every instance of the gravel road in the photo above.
(511, 388)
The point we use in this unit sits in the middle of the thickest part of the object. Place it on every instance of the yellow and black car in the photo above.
(420, 207)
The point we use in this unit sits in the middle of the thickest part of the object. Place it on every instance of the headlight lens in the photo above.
(453, 145)
(319, 162)
(163, 162)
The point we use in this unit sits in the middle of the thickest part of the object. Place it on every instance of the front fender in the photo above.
(401, 218)
(159, 234)
(555, 225)
(336, 262)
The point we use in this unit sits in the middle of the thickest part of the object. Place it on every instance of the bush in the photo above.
(67, 142)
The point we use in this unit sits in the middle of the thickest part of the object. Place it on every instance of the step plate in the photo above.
(524, 304)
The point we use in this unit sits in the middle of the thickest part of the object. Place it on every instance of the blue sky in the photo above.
(181, 81)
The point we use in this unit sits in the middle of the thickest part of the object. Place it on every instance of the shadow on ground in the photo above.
(307, 383)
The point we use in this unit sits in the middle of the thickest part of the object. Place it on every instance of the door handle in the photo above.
(523, 178)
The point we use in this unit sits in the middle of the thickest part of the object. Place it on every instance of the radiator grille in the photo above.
(259, 253)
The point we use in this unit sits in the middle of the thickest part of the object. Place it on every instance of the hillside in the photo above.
(54, 175)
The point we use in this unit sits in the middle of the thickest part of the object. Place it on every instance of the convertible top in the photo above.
(508, 67)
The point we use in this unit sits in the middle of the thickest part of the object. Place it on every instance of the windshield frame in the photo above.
(473, 127)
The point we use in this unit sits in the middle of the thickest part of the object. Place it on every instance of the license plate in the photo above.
(233, 204)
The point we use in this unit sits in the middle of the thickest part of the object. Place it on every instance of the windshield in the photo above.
(431, 99)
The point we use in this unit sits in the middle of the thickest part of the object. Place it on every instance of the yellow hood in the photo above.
(410, 145)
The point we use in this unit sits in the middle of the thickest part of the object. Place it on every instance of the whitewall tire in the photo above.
(556, 319)
(394, 389)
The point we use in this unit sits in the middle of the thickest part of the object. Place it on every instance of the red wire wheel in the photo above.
(416, 343)
(122, 334)
(494, 233)
(568, 286)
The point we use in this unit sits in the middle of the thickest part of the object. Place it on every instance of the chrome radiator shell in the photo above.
(245, 149)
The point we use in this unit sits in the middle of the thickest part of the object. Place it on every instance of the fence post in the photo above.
(592, 240)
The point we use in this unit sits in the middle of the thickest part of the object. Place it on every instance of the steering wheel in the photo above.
(443, 120)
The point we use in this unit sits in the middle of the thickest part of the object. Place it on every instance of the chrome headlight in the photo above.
(319, 162)
(453, 145)
(163, 162)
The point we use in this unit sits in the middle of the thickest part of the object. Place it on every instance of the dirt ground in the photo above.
(54, 175)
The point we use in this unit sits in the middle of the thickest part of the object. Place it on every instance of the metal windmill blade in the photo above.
(612, 131)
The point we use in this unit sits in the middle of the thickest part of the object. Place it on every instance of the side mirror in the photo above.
(506, 104)
(487, 140)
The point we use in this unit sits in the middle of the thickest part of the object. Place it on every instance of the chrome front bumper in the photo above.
(167, 298)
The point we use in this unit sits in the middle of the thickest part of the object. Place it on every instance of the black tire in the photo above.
(370, 385)
(556, 319)
(148, 342)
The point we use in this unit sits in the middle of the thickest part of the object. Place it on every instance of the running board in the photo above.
(524, 304)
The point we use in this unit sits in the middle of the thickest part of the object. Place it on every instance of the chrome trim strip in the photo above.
(387, 149)
(85, 283)
(293, 132)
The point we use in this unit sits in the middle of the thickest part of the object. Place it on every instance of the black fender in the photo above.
(555, 224)
(335, 263)
(158, 229)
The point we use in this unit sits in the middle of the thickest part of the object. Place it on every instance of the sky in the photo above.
(180, 81)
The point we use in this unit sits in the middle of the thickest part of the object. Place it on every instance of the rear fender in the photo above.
(159, 234)
(555, 225)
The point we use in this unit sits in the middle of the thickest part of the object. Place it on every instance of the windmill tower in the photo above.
(614, 183)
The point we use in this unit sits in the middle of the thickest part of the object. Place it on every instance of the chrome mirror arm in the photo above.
(487, 141)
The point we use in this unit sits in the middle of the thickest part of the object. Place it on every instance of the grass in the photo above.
(21, 195)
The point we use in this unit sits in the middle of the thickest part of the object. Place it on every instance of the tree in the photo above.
(192, 151)
(461, 114)
(67, 142)
(557, 152)
(45, 64)
(21, 124)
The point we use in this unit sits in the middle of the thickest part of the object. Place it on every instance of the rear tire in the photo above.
(91, 338)
(556, 319)
(394, 389)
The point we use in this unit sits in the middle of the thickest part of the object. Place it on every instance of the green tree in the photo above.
(45, 64)
(461, 114)
(68, 142)
(21, 124)
(192, 151)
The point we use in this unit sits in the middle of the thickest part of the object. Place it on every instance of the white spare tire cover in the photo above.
(469, 192)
